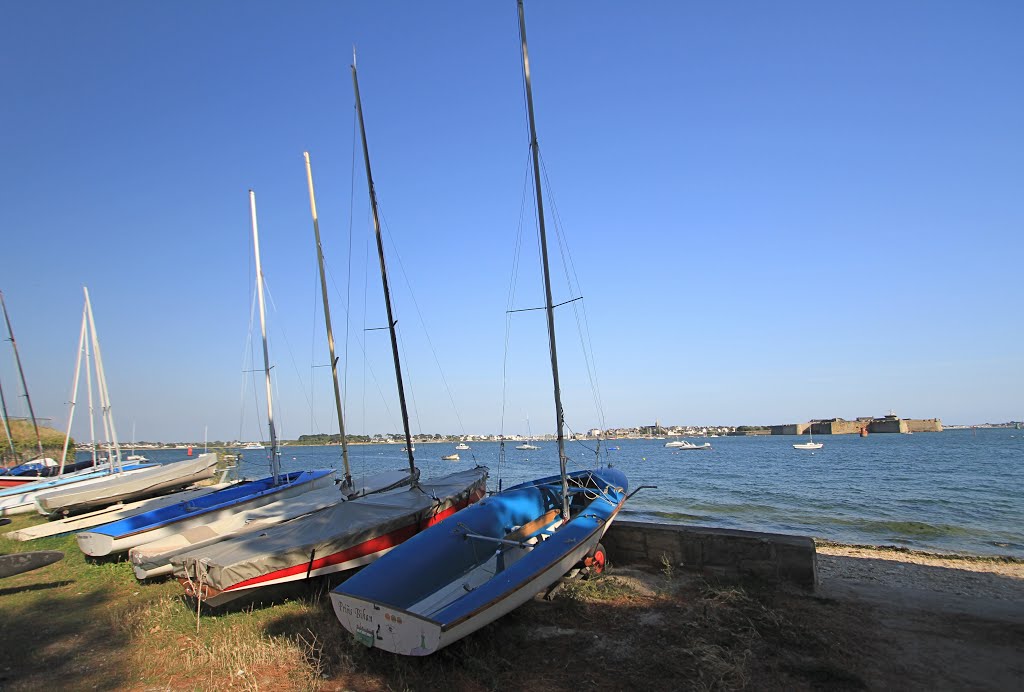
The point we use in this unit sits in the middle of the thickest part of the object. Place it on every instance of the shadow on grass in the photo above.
(52, 641)
(596, 635)
(34, 587)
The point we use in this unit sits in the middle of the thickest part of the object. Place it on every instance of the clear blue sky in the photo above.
(776, 211)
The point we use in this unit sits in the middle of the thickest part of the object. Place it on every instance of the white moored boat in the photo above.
(686, 444)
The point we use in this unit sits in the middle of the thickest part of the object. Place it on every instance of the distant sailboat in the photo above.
(529, 439)
(812, 444)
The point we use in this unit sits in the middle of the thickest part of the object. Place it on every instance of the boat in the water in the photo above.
(810, 444)
(450, 457)
(528, 445)
(492, 557)
(462, 446)
(686, 445)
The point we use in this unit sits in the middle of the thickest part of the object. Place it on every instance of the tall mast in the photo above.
(327, 319)
(113, 447)
(74, 389)
(7, 426)
(21, 373)
(548, 306)
(92, 408)
(383, 273)
(275, 463)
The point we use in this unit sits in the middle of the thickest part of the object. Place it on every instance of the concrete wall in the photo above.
(924, 425)
(887, 425)
(838, 427)
(727, 554)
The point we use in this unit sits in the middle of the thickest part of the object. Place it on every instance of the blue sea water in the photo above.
(954, 491)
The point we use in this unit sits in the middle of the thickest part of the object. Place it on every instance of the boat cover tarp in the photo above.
(323, 537)
(108, 514)
(198, 506)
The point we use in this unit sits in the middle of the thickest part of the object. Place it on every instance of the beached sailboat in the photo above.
(22, 498)
(365, 484)
(492, 557)
(811, 444)
(43, 466)
(151, 553)
(197, 515)
(117, 486)
(342, 536)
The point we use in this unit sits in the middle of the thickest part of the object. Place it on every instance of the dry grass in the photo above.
(24, 437)
(82, 625)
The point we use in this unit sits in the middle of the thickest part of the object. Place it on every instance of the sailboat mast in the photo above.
(275, 464)
(92, 408)
(383, 273)
(113, 447)
(548, 304)
(327, 319)
(74, 389)
(21, 373)
(7, 426)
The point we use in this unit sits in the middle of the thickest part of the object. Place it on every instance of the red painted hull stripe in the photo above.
(374, 545)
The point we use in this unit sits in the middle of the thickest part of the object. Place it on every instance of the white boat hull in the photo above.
(109, 514)
(402, 632)
(136, 485)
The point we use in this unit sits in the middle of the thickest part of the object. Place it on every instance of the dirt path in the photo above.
(928, 621)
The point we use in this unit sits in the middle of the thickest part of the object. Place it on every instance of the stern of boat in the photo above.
(381, 627)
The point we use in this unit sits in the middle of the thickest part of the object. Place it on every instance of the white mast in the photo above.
(113, 448)
(275, 463)
(74, 390)
(327, 319)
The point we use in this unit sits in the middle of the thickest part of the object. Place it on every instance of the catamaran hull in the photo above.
(324, 542)
(195, 514)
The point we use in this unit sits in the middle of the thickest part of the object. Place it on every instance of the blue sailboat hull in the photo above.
(479, 564)
(146, 526)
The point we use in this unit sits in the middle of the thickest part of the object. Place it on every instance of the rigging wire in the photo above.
(423, 325)
(291, 354)
(572, 279)
(509, 302)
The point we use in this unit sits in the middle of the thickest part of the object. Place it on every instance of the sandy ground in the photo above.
(927, 621)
